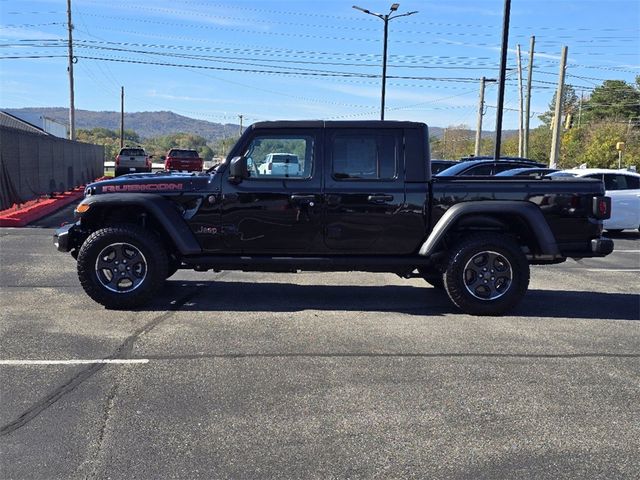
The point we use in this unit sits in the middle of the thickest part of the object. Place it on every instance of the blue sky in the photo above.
(271, 60)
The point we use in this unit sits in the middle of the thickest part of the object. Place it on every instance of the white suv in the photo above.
(624, 189)
(280, 164)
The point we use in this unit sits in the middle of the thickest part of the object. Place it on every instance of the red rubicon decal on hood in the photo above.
(144, 187)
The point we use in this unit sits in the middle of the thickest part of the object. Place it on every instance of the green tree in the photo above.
(613, 100)
(457, 141)
(570, 104)
(223, 146)
(159, 146)
(540, 144)
(600, 145)
(110, 139)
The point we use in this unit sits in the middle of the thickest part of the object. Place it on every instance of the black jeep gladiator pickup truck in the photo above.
(359, 197)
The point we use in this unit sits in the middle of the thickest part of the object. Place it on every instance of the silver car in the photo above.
(132, 160)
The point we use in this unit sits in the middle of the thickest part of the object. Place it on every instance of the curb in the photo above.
(24, 216)
(41, 208)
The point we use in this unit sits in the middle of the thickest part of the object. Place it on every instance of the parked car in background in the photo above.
(132, 160)
(624, 189)
(438, 165)
(183, 159)
(482, 166)
(531, 172)
(281, 164)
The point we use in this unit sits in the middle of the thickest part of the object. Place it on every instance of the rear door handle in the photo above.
(379, 198)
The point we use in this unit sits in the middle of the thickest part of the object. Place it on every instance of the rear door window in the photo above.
(364, 156)
(132, 152)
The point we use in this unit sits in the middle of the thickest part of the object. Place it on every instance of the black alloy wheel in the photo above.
(122, 266)
(487, 274)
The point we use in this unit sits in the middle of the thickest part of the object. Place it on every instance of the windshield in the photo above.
(561, 174)
(456, 169)
(183, 153)
(132, 152)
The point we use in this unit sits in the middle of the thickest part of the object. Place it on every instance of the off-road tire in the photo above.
(119, 241)
(487, 274)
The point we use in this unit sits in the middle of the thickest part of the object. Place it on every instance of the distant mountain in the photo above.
(155, 124)
(145, 124)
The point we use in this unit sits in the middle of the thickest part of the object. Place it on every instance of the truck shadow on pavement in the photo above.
(230, 296)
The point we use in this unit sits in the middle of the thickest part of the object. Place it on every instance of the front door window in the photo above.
(278, 157)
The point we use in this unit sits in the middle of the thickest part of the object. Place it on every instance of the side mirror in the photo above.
(238, 169)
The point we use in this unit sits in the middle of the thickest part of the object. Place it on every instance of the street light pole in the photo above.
(385, 18)
(384, 65)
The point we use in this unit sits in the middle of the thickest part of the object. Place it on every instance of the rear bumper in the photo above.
(124, 170)
(601, 246)
(596, 247)
(184, 168)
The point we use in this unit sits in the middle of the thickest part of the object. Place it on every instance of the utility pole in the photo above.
(385, 18)
(527, 110)
(557, 125)
(520, 125)
(503, 71)
(240, 117)
(72, 108)
(483, 81)
(121, 117)
(580, 108)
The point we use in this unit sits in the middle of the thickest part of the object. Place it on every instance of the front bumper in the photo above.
(65, 237)
(601, 246)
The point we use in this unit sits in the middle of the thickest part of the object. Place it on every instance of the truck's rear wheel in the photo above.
(486, 275)
(122, 267)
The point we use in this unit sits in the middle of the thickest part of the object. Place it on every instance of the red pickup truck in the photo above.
(178, 159)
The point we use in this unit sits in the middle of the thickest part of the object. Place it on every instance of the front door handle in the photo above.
(304, 199)
(380, 198)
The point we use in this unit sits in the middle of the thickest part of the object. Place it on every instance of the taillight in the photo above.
(601, 208)
(117, 160)
(148, 161)
(269, 165)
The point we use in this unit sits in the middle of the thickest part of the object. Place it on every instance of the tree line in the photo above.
(592, 126)
(156, 146)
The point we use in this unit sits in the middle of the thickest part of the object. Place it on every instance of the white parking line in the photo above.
(75, 361)
(612, 269)
(626, 251)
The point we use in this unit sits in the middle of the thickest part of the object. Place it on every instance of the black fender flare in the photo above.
(527, 211)
(162, 210)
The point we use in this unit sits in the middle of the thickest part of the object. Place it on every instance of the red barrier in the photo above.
(21, 215)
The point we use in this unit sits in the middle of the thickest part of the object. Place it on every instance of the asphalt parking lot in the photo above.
(314, 375)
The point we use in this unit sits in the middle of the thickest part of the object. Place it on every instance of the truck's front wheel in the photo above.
(122, 267)
(486, 275)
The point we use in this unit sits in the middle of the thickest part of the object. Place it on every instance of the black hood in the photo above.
(161, 182)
